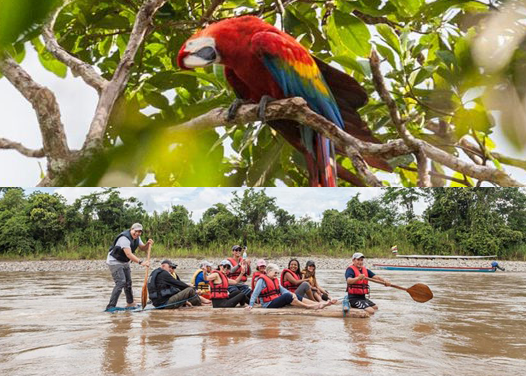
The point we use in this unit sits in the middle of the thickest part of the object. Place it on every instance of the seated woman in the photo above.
(273, 295)
(292, 281)
(198, 279)
(261, 268)
(320, 294)
(219, 283)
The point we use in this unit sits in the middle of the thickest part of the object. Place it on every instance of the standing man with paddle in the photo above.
(119, 256)
(357, 277)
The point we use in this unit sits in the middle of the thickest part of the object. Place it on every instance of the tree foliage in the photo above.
(434, 60)
(476, 221)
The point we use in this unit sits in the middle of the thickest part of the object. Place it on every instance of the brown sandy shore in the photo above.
(190, 264)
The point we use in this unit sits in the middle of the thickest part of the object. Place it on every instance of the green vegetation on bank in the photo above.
(468, 221)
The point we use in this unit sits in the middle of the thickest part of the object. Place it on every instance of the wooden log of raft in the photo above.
(207, 311)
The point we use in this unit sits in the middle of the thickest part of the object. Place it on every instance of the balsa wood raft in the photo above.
(208, 311)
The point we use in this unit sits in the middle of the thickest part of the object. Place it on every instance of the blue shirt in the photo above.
(260, 285)
(199, 279)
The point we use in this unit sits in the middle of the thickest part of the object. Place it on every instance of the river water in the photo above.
(52, 323)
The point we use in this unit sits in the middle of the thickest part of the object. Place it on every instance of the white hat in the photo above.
(225, 262)
(136, 226)
(205, 263)
(358, 255)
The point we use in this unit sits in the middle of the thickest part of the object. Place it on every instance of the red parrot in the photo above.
(263, 63)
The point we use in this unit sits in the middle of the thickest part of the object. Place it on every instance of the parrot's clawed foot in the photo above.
(263, 102)
(232, 110)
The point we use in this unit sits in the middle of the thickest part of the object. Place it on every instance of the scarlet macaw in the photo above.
(262, 62)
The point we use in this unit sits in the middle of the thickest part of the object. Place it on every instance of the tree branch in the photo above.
(77, 66)
(46, 107)
(115, 87)
(210, 11)
(8, 144)
(297, 109)
(378, 80)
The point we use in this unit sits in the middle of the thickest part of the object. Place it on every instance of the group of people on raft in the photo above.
(225, 286)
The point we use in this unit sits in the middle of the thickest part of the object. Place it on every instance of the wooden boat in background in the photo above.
(434, 268)
(434, 257)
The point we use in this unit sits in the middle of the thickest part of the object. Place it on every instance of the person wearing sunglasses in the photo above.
(219, 283)
(240, 267)
(120, 254)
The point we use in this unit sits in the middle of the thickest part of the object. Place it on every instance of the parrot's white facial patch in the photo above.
(202, 52)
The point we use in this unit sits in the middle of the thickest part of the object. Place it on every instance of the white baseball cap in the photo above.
(358, 255)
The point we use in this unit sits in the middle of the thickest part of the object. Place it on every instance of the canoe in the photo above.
(207, 311)
(433, 268)
(433, 257)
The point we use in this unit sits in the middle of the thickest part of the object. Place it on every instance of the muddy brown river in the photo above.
(53, 323)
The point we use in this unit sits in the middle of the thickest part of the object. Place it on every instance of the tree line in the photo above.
(469, 221)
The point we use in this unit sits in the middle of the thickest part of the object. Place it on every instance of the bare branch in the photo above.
(439, 175)
(77, 66)
(46, 107)
(8, 144)
(423, 168)
(210, 11)
(298, 110)
(115, 87)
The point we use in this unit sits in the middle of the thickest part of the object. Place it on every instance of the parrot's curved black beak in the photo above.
(206, 53)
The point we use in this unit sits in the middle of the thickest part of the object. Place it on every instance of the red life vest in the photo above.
(358, 287)
(271, 290)
(289, 286)
(255, 278)
(219, 291)
(238, 271)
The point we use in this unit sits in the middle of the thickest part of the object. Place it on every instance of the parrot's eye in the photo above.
(206, 53)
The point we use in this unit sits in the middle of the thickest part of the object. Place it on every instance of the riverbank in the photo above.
(323, 263)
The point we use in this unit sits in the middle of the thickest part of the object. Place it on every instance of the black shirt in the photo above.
(165, 279)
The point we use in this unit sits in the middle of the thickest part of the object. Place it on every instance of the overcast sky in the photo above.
(77, 102)
(298, 201)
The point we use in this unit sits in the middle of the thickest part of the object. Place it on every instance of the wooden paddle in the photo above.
(420, 293)
(144, 295)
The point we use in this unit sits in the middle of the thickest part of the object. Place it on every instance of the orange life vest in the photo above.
(358, 287)
(271, 290)
(255, 278)
(219, 291)
(238, 271)
(289, 286)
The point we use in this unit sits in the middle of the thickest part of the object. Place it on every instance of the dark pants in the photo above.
(235, 298)
(188, 294)
(280, 302)
(241, 287)
(122, 277)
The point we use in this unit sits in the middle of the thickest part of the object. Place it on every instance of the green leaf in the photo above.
(350, 32)
(387, 53)
(48, 61)
(113, 21)
(263, 166)
(157, 100)
(407, 8)
(389, 36)
(467, 119)
(458, 175)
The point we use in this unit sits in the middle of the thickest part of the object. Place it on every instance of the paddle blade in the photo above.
(144, 296)
(420, 293)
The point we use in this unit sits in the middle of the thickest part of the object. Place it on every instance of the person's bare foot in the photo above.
(132, 305)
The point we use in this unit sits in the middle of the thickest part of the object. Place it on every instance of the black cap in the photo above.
(310, 262)
(170, 264)
(237, 248)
